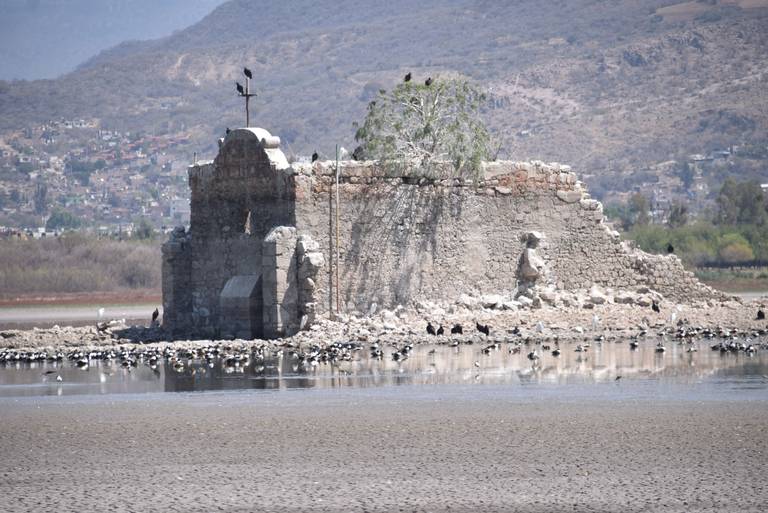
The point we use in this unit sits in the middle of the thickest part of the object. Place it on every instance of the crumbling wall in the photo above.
(177, 281)
(404, 239)
(235, 201)
(401, 239)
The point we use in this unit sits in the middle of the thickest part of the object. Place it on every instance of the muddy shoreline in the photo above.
(422, 449)
(409, 325)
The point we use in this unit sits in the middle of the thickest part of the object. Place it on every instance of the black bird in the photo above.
(428, 82)
(408, 77)
(483, 328)
(440, 330)
(670, 248)
(655, 306)
(760, 314)
(247, 73)
(315, 156)
(457, 329)
(431, 329)
(155, 315)
(228, 130)
(240, 88)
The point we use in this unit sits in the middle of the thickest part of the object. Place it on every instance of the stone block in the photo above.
(569, 196)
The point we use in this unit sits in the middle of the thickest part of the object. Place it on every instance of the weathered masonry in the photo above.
(259, 258)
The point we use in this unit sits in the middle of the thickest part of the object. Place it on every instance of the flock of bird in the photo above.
(237, 357)
(428, 83)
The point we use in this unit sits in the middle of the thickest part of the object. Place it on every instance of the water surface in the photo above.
(703, 371)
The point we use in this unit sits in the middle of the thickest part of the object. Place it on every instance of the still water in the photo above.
(602, 363)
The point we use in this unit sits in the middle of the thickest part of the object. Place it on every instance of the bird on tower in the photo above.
(247, 73)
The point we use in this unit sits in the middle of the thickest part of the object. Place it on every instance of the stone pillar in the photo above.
(311, 261)
(279, 272)
(177, 282)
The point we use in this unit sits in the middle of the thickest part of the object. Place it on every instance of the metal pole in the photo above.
(338, 292)
(247, 101)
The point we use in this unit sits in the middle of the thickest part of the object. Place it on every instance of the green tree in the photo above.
(741, 203)
(144, 230)
(41, 198)
(422, 124)
(685, 173)
(678, 215)
(734, 249)
(62, 220)
(639, 208)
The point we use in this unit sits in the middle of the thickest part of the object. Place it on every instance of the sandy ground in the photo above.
(66, 315)
(434, 449)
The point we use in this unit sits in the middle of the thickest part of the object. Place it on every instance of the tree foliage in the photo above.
(144, 230)
(639, 209)
(678, 215)
(704, 243)
(420, 125)
(62, 220)
(741, 203)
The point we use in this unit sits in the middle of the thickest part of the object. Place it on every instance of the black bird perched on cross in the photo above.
(239, 87)
(407, 77)
(670, 248)
(247, 73)
(315, 156)
(428, 82)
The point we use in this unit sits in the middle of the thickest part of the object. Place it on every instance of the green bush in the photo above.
(705, 242)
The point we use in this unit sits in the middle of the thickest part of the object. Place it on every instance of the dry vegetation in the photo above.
(75, 264)
(609, 87)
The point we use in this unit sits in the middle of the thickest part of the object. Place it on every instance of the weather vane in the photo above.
(245, 93)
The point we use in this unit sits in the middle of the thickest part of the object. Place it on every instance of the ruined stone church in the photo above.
(267, 250)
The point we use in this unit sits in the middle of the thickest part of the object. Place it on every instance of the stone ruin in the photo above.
(259, 258)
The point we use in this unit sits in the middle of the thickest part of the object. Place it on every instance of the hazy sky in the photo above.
(46, 38)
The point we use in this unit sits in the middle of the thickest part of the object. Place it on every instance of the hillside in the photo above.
(46, 38)
(606, 86)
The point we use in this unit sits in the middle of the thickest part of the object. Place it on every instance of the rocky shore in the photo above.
(573, 318)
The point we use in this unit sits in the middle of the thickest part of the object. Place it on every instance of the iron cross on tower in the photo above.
(245, 93)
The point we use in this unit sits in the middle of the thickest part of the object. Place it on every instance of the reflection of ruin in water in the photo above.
(427, 365)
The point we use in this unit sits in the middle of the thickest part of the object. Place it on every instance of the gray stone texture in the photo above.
(402, 238)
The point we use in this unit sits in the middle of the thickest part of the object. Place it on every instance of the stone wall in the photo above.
(405, 239)
(235, 201)
(402, 238)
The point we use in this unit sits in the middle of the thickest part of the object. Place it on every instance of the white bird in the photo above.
(100, 311)
(595, 322)
(540, 327)
(59, 378)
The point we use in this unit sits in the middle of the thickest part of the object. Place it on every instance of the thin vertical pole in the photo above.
(338, 292)
(247, 101)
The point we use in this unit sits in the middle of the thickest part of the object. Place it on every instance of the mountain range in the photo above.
(608, 86)
(46, 38)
